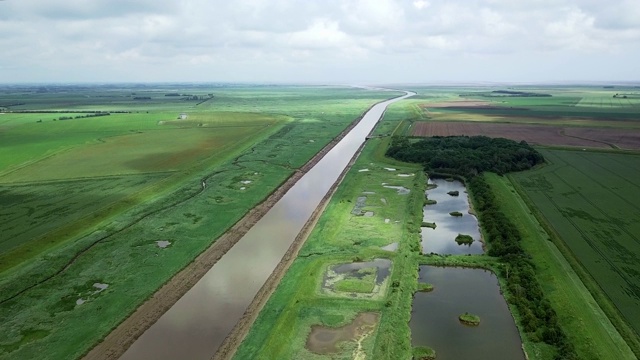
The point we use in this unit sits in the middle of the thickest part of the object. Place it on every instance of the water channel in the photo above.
(197, 324)
(434, 318)
(441, 240)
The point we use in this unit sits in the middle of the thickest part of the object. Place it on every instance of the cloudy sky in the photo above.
(322, 41)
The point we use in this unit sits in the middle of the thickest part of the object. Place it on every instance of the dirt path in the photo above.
(126, 333)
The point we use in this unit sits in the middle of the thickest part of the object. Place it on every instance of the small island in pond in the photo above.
(454, 193)
(429, 224)
(455, 213)
(463, 239)
(423, 353)
(469, 319)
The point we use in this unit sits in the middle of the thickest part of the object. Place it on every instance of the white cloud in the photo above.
(328, 40)
(420, 4)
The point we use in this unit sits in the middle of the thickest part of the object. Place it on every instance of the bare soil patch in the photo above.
(536, 134)
(457, 103)
(324, 340)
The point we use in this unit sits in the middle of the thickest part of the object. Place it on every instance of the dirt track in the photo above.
(126, 333)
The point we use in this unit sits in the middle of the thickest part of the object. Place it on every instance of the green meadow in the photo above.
(90, 197)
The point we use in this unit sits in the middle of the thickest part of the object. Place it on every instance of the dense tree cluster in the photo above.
(464, 155)
(469, 157)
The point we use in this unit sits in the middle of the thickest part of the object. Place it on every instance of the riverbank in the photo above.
(342, 237)
(240, 331)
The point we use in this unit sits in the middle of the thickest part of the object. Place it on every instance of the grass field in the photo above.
(587, 198)
(90, 197)
(584, 322)
(283, 326)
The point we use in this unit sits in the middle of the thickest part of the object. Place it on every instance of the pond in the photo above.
(441, 240)
(434, 320)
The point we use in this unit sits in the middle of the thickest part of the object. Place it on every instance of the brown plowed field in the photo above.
(535, 134)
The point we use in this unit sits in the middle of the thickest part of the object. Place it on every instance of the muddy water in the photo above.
(197, 324)
(441, 240)
(434, 319)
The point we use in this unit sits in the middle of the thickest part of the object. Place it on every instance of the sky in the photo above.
(320, 41)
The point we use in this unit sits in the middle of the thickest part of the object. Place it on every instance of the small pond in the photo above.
(434, 319)
(357, 279)
(441, 240)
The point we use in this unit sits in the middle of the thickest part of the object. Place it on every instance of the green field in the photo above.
(90, 197)
(584, 322)
(282, 328)
(588, 199)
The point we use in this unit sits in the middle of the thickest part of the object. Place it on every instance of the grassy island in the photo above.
(429, 224)
(423, 353)
(454, 193)
(455, 213)
(424, 287)
(469, 319)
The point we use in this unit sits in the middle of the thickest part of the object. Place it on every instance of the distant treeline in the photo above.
(469, 157)
(466, 156)
(507, 93)
(83, 116)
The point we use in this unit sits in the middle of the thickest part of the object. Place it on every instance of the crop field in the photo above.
(588, 199)
(561, 106)
(88, 199)
(362, 217)
(588, 327)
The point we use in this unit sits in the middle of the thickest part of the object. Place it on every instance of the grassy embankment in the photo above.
(148, 190)
(284, 324)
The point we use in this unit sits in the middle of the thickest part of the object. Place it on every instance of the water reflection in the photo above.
(434, 320)
(441, 240)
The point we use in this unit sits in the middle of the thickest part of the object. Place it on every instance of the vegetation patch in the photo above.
(455, 213)
(424, 287)
(469, 319)
(454, 192)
